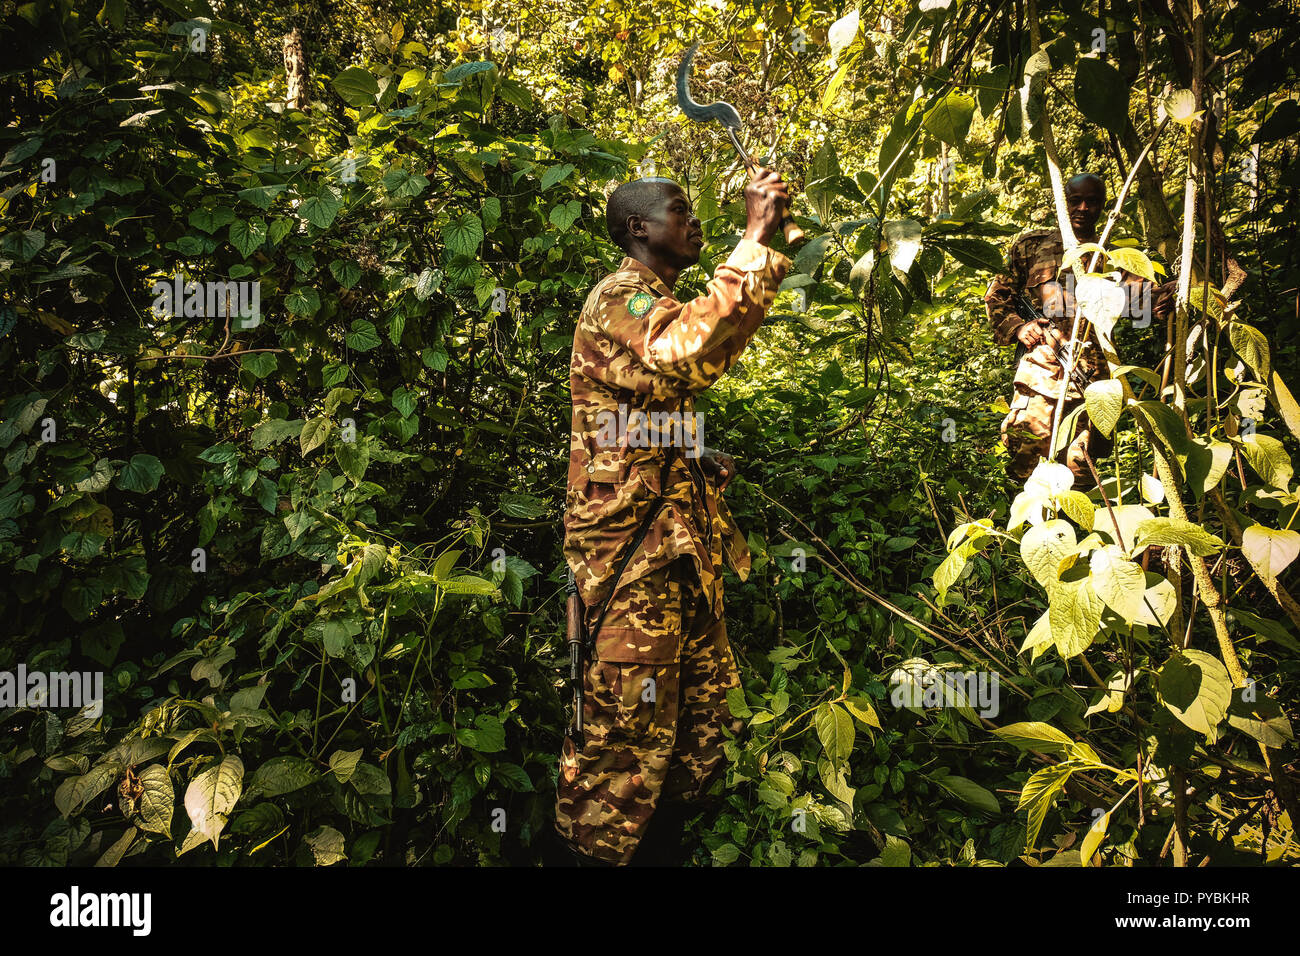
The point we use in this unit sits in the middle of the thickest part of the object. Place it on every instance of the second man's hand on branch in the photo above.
(767, 198)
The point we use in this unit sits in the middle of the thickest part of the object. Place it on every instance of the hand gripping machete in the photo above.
(725, 114)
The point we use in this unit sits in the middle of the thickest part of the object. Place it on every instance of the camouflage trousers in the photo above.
(1027, 429)
(654, 713)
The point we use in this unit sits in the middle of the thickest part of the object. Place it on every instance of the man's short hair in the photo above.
(637, 198)
(1075, 182)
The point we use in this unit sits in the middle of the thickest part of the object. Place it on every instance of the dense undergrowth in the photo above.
(315, 550)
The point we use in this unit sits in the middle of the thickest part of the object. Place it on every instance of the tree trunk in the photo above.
(295, 70)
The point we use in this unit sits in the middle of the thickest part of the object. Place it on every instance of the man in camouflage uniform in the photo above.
(655, 687)
(1031, 271)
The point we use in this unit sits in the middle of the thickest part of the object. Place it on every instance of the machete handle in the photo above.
(793, 234)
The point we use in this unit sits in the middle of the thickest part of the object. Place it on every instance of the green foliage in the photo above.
(314, 545)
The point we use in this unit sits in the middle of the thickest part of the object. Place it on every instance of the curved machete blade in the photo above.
(721, 111)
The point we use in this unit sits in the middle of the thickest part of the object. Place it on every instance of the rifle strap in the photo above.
(635, 542)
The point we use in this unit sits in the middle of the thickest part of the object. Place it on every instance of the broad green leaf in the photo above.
(1252, 346)
(1039, 636)
(428, 283)
(1269, 552)
(100, 477)
(833, 87)
(157, 800)
(990, 87)
(353, 458)
(904, 238)
(303, 300)
(313, 434)
(1039, 792)
(1034, 735)
(326, 845)
(1157, 603)
(519, 505)
(1104, 400)
(275, 430)
(1287, 406)
(976, 253)
(343, 764)
(1179, 106)
(1206, 464)
(356, 86)
(1257, 715)
(281, 775)
(247, 235)
(861, 708)
(463, 234)
(75, 792)
(1164, 532)
(949, 119)
(836, 732)
(842, 32)
(566, 214)
(950, 568)
(23, 243)
(468, 584)
(1075, 615)
(259, 364)
(1132, 260)
(1268, 459)
(1044, 546)
(1027, 507)
(1112, 698)
(348, 273)
(1078, 508)
(1120, 583)
(969, 792)
(1128, 517)
(834, 778)
(363, 336)
(212, 795)
(487, 736)
(1196, 688)
(555, 174)
(1101, 94)
(113, 855)
(1167, 424)
(141, 474)
(1264, 627)
(320, 210)
(726, 854)
(736, 703)
(411, 79)
(462, 71)
(261, 196)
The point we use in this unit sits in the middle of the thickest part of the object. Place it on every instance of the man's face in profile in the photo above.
(1083, 201)
(673, 233)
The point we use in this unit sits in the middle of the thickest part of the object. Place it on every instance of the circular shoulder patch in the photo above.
(640, 304)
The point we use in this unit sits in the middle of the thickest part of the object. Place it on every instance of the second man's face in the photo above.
(673, 231)
(1084, 204)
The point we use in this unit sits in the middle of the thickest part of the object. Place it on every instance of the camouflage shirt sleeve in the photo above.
(999, 300)
(689, 346)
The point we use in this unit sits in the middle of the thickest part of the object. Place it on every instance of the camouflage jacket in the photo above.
(638, 351)
(1031, 269)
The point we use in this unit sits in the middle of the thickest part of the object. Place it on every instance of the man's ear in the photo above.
(636, 227)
